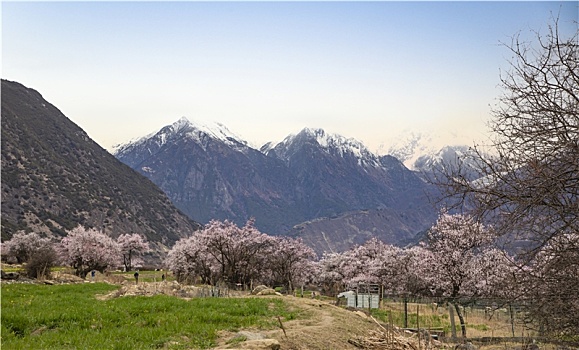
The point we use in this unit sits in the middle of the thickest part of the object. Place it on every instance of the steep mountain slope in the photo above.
(339, 233)
(210, 173)
(54, 177)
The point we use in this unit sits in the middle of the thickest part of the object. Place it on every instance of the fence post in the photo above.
(418, 323)
(391, 322)
(381, 297)
(512, 319)
(405, 312)
(452, 325)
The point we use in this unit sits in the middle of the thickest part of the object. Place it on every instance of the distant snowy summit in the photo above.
(183, 127)
(418, 151)
(201, 132)
(333, 144)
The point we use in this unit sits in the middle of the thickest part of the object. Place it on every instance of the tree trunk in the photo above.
(129, 261)
(461, 318)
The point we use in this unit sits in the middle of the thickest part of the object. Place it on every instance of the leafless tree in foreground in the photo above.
(529, 176)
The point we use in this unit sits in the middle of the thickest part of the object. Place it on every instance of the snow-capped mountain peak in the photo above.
(195, 130)
(330, 143)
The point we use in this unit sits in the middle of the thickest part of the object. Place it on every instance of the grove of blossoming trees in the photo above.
(87, 249)
(82, 249)
(224, 252)
(457, 262)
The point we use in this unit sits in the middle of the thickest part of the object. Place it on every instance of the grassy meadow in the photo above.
(70, 317)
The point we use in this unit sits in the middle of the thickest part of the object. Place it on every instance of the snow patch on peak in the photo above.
(321, 137)
(267, 147)
(179, 124)
(215, 130)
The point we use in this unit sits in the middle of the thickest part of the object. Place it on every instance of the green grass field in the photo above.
(70, 317)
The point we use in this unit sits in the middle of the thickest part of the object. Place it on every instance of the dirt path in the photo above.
(322, 326)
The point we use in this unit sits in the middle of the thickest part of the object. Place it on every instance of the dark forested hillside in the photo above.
(54, 177)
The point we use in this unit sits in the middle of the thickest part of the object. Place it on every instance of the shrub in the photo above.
(39, 264)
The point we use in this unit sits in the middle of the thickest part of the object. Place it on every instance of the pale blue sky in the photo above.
(366, 70)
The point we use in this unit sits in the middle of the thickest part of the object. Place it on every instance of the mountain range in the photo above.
(54, 177)
(328, 189)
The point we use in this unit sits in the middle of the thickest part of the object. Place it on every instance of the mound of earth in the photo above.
(55, 278)
(62, 277)
(171, 288)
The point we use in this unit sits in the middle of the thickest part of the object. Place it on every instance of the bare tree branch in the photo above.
(528, 185)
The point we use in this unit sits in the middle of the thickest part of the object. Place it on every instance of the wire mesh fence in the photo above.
(484, 320)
